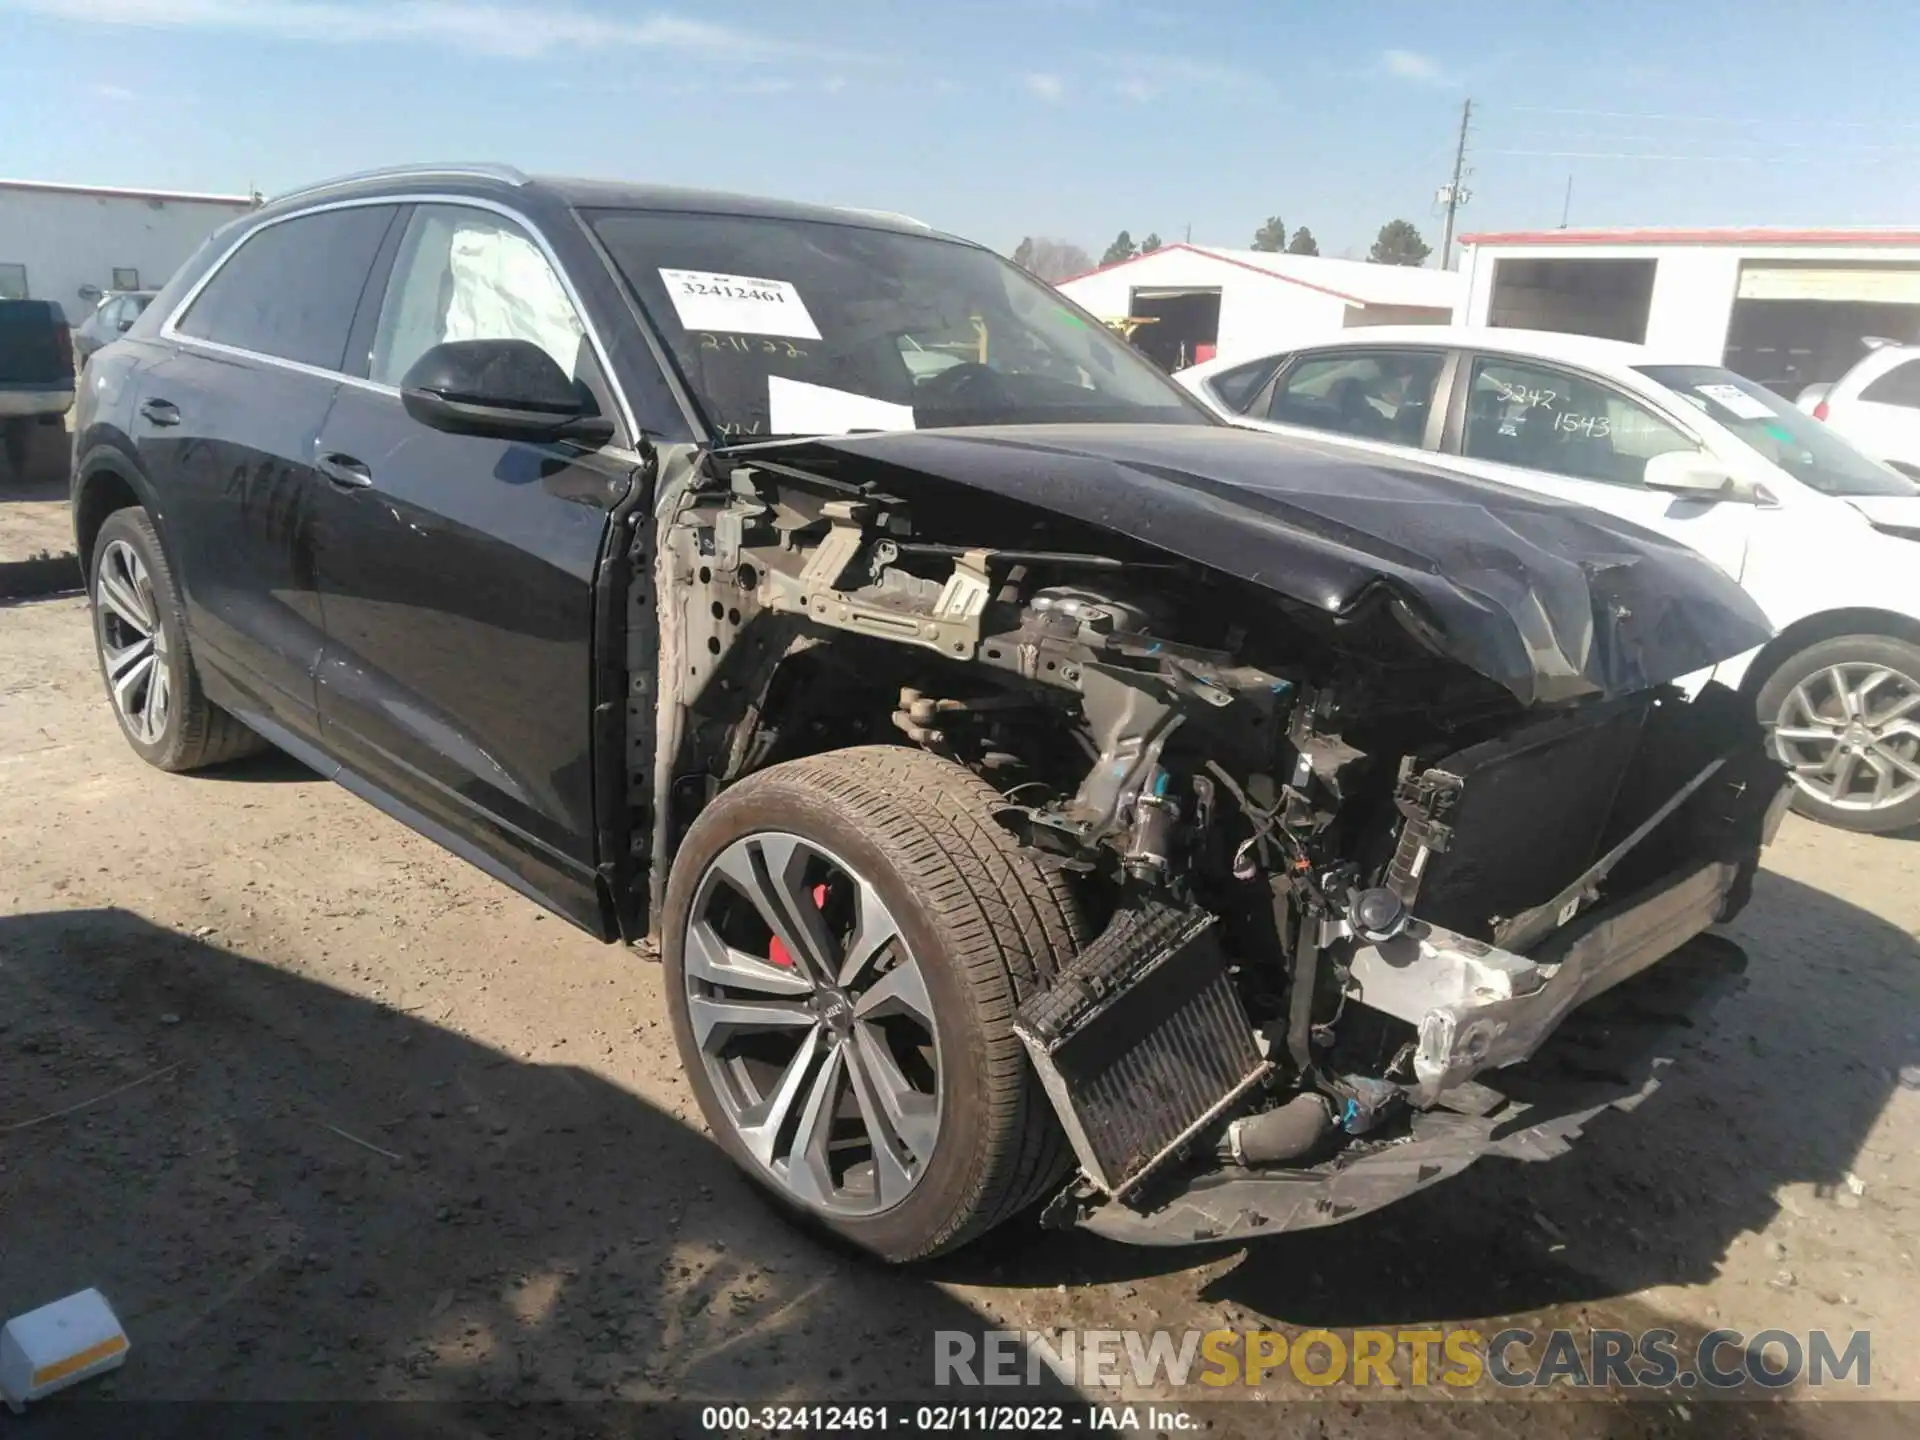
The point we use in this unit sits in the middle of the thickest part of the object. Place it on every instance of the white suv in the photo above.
(1824, 538)
(1876, 404)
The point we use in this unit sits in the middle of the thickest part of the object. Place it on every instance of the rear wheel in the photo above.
(141, 636)
(1846, 722)
(846, 938)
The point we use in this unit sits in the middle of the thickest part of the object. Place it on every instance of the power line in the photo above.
(1710, 119)
(1668, 141)
(1818, 159)
(1823, 146)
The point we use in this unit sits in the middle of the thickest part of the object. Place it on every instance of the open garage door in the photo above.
(1175, 328)
(1608, 298)
(1797, 324)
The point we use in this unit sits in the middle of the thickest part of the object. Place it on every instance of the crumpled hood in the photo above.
(1551, 600)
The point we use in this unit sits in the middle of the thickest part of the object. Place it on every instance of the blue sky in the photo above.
(998, 118)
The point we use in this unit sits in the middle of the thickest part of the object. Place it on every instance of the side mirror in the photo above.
(1694, 474)
(123, 325)
(501, 389)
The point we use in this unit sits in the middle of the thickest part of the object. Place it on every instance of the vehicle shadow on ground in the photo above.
(269, 767)
(313, 1196)
(1779, 1086)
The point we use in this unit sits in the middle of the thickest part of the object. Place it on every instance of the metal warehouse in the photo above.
(1785, 308)
(73, 243)
(1186, 303)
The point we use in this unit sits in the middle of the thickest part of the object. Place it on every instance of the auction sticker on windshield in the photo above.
(742, 304)
(1736, 401)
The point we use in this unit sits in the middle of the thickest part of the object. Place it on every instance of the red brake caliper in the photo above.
(776, 952)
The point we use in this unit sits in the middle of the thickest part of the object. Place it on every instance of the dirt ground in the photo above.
(390, 1131)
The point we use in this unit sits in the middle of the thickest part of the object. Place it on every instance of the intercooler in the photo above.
(1141, 1042)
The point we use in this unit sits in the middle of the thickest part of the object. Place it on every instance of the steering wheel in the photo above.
(969, 380)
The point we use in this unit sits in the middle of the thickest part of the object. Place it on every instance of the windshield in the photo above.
(793, 327)
(1782, 433)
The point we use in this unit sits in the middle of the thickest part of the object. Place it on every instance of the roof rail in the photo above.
(1879, 342)
(506, 174)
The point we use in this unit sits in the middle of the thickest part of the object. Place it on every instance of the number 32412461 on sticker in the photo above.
(740, 304)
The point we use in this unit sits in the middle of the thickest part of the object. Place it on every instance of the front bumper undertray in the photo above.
(1609, 1053)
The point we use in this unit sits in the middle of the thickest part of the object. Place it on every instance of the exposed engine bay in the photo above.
(1341, 879)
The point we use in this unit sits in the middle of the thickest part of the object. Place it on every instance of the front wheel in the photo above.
(845, 940)
(1845, 718)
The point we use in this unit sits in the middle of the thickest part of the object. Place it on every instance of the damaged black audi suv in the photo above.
(1038, 793)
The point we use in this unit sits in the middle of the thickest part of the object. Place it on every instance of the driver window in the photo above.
(1544, 419)
(465, 274)
(1370, 394)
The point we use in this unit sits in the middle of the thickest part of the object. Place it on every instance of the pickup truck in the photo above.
(1037, 791)
(36, 373)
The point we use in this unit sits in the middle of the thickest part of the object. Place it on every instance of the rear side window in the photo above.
(1899, 386)
(291, 289)
(1371, 394)
(1236, 388)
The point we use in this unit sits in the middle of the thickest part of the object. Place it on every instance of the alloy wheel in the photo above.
(1850, 734)
(813, 1021)
(133, 642)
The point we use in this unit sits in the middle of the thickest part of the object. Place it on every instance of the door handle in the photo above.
(344, 472)
(160, 412)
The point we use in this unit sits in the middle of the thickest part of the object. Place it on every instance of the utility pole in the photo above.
(1452, 195)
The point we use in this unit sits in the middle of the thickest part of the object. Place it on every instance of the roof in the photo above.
(1362, 280)
(1674, 236)
(582, 193)
(589, 194)
(1587, 350)
(1357, 282)
(110, 192)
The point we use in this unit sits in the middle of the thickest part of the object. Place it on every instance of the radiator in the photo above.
(1504, 825)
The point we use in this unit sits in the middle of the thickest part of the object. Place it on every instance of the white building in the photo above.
(1195, 302)
(72, 243)
(1783, 307)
